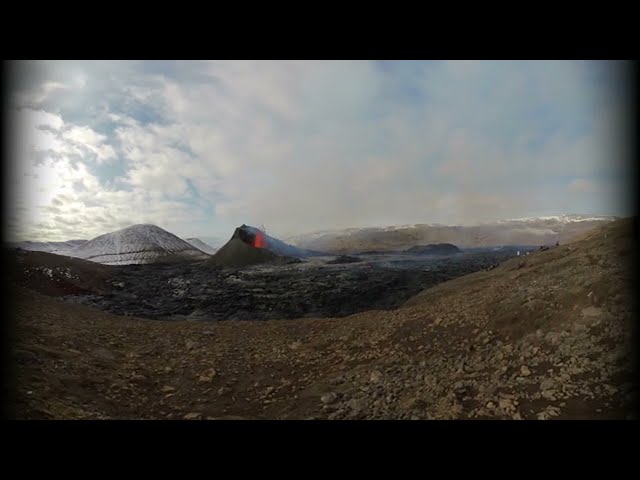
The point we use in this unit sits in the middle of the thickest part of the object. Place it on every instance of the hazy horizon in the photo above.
(218, 240)
(199, 148)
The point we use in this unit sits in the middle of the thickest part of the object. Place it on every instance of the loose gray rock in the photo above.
(192, 416)
(506, 404)
(546, 384)
(549, 394)
(375, 377)
(329, 398)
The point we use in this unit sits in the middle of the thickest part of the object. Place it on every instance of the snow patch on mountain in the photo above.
(569, 218)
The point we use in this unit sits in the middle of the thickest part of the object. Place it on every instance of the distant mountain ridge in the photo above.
(518, 231)
(523, 231)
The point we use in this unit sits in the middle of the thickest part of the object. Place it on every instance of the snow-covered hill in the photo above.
(136, 244)
(200, 245)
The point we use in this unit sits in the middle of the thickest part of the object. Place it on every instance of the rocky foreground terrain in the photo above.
(546, 336)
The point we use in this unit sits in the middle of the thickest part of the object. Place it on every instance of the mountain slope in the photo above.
(137, 244)
(56, 275)
(200, 245)
(236, 253)
(47, 246)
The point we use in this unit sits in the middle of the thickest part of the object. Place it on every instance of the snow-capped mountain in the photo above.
(569, 218)
(200, 245)
(136, 244)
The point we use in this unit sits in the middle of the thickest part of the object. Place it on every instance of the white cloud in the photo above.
(28, 119)
(41, 94)
(318, 144)
(59, 198)
(86, 138)
(84, 135)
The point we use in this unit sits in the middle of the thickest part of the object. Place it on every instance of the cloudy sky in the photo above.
(198, 148)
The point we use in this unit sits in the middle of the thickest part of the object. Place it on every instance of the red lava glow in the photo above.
(258, 240)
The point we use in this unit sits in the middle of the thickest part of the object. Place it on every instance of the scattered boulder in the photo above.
(506, 404)
(546, 384)
(329, 398)
(591, 312)
(207, 377)
(192, 416)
